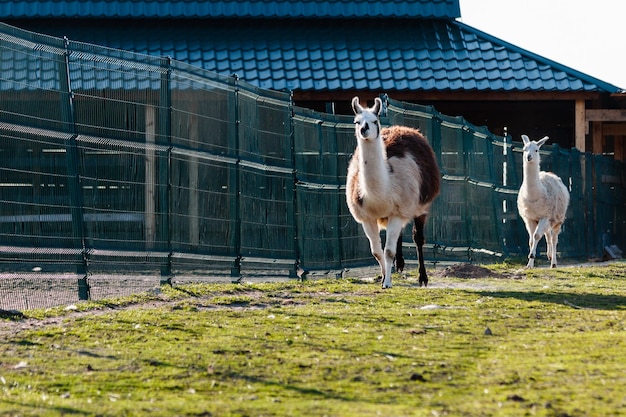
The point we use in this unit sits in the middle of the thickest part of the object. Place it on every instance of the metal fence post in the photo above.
(297, 253)
(73, 174)
(334, 150)
(435, 143)
(467, 139)
(164, 184)
(235, 270)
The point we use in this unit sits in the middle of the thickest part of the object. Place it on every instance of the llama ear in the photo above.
(525, 139)
(356, 107)
(542, 141)
(378, 105)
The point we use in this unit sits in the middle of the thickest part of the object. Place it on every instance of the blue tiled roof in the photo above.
(229, 8)
(426, 55)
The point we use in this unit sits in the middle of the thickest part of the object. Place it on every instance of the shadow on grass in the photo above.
(303, 391)
(573, 300)
(20, 408)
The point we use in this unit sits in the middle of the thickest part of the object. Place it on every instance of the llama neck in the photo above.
(531, 178)
(373, 169)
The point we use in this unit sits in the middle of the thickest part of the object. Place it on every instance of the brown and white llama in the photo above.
(393, 177)
(542, 202)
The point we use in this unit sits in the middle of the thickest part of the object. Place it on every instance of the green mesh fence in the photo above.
(475, 217)
(121, 171)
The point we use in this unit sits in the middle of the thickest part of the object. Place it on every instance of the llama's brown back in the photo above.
(400, 140)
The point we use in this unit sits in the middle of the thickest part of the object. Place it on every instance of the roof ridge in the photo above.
(608, 87)
(416, 9)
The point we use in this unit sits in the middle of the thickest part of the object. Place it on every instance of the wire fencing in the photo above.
(121, 171)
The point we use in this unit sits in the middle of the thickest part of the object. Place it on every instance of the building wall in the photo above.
(533, 118)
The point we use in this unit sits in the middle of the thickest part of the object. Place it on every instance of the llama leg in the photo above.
(536, 236)
(548, 236)
(530, 228)
(373, 235)
(418, 238)
(394, 228)
(555, 241)
(399, 255)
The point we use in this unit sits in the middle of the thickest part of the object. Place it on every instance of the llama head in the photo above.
(366, 124)
(531, 149)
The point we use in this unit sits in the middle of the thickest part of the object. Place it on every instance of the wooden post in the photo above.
(618, 147)
(580, 125)
(150, 197)
(598, 138)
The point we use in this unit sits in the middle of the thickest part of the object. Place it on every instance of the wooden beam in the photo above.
(614, 129)
(580, 125)
(425, 96)
(597, 138)
(605, 115)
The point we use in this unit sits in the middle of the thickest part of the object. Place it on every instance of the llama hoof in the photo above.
(423, 277)
(386, 282)
(399, 264)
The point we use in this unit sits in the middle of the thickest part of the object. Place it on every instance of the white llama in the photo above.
(542, 202)
(393, 177)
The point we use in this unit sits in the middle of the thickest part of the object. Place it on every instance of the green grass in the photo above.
(333, 347)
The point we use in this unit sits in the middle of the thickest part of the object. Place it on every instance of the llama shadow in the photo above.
(577, 301)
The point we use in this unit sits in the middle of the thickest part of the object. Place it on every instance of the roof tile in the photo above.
(421, 56)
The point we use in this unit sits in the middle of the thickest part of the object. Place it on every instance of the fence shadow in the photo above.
(573, 300)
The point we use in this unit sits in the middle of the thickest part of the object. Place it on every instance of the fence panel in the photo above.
(126, 87)
(266, 181)
(33, 188)
(202, 204)
(203, 110)
(317, 190)
(34, 79)
(609, 203)
(323, 146)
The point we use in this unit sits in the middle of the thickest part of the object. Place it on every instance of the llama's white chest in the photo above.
(377, 206)
(535, 201)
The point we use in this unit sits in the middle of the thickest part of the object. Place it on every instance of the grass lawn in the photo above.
(538, 343)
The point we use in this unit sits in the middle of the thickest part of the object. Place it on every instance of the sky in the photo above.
(588, 36)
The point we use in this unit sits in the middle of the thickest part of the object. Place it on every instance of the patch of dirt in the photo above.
(463, 270)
